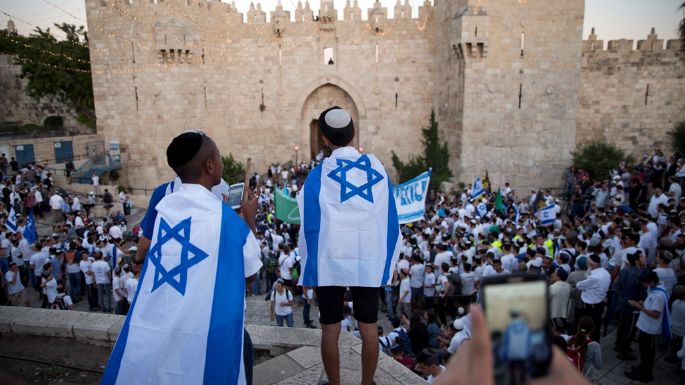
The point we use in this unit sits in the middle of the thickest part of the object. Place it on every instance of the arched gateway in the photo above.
(323, 97)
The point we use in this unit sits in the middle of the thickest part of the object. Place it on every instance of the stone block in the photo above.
(8, 314)
(266, 337)
(115, 329)
(94, 328)
(46, 322)
(307, 356)
(275, 370)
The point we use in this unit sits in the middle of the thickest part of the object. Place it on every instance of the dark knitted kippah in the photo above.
(183, 148)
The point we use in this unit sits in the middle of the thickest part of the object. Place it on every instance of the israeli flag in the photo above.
(185, 325)
(477, 190)
(30, 232)
(482, 209)
(350, 233)
(548, 215)
(12, 221)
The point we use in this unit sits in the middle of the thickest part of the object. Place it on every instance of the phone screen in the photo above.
(516, 311)
(235, 195)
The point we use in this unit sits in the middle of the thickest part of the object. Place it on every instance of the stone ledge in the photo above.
(100, 328)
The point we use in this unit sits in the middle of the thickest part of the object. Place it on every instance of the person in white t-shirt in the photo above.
(404, 302)
(16, 290)
(91, 290)
(131, 284)
(285, 265)
(664, 271)
(429, 282)
(49, 285)
(308, 297)
(282, 304)
(102, 274)
(416, 275)
(95, 179)
(118, 292)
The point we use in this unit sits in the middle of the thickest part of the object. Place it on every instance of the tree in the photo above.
(599, 158)
(678, 138)
(435, 155)
(52, 67)
(234, 171)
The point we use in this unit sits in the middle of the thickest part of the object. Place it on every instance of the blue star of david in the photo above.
(181, 234)
(347, 189)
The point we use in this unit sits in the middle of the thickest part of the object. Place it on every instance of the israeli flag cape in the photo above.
(185, 325)
(30, 232)
(477, 189)
(350, 232)
(548, 215)
(12, 221)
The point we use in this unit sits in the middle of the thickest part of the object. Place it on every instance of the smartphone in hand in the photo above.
(517, 313)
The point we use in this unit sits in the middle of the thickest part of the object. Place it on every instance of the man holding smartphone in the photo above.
(349, 237)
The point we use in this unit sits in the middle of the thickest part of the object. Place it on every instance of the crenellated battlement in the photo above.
(652, 44)
(327, 13)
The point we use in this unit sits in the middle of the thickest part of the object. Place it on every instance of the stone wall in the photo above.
(631, 96)
(44, 148)
(17, 106)
(520, 99)
(255, 87)
(513, 85)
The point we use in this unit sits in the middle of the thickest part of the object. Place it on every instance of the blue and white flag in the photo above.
(410, 198)
(350, 232)
(548, 215)
(185, 325)
(30, 232)
(482, 209)
(477, 190)
(12, 221)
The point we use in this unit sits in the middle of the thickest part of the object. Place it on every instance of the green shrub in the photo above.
(599, 158)
(435, 155)
(677, 135)
(234, 171)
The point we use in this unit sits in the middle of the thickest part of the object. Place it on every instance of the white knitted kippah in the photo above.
(337, 118)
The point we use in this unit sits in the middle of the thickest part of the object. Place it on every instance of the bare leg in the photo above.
(330, 353)
(369, 334)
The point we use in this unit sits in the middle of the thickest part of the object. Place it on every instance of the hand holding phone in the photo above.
(473, 364)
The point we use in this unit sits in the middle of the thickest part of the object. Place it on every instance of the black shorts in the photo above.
(364, 303)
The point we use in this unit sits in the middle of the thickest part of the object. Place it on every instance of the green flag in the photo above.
(499, 205)
(286, 208)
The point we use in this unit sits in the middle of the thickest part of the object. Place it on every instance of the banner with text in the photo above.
(410, 198)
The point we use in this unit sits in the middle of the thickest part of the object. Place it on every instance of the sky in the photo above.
(612, 19)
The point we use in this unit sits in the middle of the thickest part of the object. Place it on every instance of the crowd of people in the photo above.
(82, 257)
(614, 255)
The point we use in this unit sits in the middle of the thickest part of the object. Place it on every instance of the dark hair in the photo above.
(395, 321)
(585, 327)
(427, 357)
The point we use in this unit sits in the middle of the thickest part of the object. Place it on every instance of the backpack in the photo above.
(576, 355)
(455, 284)
(272, 263)
(296, 270)
(58, 304)
(404, 341)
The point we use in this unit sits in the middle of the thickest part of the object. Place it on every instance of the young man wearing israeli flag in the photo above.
(349, 237)
(185, 325)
